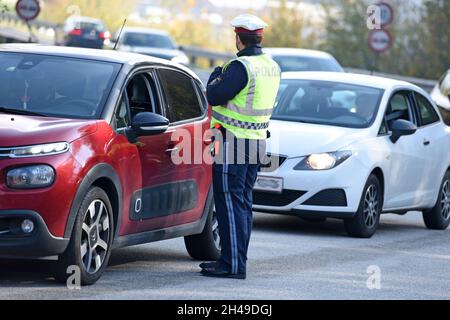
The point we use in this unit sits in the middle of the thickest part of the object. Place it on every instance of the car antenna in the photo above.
(120, 34)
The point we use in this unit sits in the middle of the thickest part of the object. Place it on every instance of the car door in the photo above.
(432, 137)
(186, 108)
(155, 188)
(406, 165)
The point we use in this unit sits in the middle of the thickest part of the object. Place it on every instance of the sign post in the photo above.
(380, 40)
(28, 10)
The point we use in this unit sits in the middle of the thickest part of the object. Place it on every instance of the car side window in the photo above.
(427, 113)
(399, 108)
(122, 119)
(141, 92)
(182, 102)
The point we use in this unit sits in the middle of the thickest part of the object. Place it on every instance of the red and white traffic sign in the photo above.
(380, 40)
(28, 9)
(386, 13)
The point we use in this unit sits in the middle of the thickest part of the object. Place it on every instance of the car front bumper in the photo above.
(39, 244)
(334, 193)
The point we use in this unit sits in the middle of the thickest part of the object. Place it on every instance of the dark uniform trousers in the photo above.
(234, 175)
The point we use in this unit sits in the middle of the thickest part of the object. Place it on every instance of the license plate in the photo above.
(269, 184)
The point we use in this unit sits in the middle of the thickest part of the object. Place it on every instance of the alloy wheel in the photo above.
(445, 200)
(371, 204)
(95, 236)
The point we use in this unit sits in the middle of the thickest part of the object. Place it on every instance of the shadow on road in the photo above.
(24, 273)
(331, 228)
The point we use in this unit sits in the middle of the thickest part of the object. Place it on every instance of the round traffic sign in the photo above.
(28, 9)
(386, 13)
(380, 40)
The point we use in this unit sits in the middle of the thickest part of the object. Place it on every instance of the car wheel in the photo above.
(90, 243)
(365, 222)
(206, 245)
(438, 218)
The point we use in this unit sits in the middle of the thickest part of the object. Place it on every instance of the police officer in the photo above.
(243, 94)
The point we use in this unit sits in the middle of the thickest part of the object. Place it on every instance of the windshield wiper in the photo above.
(21, 112)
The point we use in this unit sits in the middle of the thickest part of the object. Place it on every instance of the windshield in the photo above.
(327, 103)
(297, 63)
(55, 86)
(139, 39)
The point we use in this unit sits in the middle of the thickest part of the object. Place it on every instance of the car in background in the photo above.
(86, 141)
(384, 149)
(441, 96)
(151, 42)
(292, 60)
(83, 32)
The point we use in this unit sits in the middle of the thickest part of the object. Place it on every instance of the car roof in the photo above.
(113, 56)
(84, 19)
(146, 30)
(298, 52)
(350, 78)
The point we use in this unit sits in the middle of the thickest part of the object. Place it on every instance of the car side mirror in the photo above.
(149, 124)
(402, 128)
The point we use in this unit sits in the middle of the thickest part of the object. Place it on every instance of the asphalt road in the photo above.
(288, 259)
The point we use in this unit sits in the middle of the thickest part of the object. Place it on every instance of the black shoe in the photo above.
(208, 265)
(219, 273)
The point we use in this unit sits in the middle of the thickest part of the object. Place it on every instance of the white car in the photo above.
(441, 96)
(150, 42)
(291, 59)
(353, 147)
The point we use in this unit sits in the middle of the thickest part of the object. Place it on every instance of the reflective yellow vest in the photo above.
(247, 115)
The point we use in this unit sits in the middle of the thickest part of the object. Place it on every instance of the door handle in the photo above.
(170, 151)
(426, 142)
(171, 147)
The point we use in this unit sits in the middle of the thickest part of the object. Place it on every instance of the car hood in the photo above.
(294, 139)
(167, 54)
(26, 130)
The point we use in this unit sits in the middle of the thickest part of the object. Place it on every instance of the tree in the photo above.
(435, 39)
(289, 28)
(112, 12)
(3, 7)
(347, 36)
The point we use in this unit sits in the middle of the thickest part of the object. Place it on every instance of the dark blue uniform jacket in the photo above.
(223, 87)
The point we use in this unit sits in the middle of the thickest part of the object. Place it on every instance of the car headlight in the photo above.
(31, 177)
(323, 161)
(181, 60)
(39, 150)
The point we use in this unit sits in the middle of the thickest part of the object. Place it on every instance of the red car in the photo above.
(86, 139)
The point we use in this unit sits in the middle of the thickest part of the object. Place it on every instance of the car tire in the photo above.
(206, 245)
(366, 221)
(90, 244)
(438, 218)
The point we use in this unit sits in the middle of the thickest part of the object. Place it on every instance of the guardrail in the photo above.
(37, 24)
(425, 84)
(215, 57)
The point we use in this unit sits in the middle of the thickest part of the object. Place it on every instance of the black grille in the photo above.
(273, 162)
(328, 198)
(4, 152)
(276, 200)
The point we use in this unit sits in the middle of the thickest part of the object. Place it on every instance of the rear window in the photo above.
(296, 63)
(139, 39)
(55, 86)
